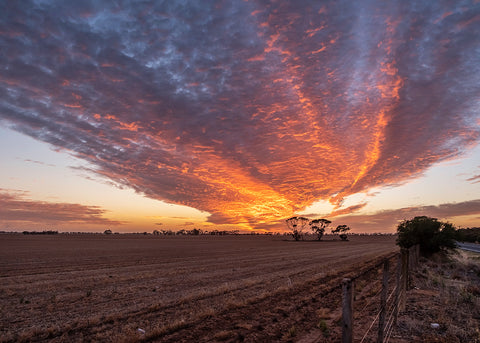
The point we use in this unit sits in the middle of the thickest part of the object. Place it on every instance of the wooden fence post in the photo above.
(397, 289)
(407, 270)
(415, 258)
(404, 278)
(414, 254)
(383, 302)
(347, 311)
(417, 249)
(410, 258)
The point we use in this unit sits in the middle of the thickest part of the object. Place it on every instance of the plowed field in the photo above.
(170, 289)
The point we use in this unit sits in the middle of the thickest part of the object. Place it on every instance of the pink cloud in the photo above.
(387, 221)
(17, 209)
(474, 179)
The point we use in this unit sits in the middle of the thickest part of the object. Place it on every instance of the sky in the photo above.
(135, 116)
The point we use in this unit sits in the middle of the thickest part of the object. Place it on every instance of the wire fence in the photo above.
(383, 290)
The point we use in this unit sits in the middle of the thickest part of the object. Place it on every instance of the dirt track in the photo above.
(231, 288)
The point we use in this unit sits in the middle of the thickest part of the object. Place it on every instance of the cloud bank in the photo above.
(250, 111)
(16, 208)
(388, 220)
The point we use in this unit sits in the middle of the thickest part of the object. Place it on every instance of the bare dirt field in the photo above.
(170, 289)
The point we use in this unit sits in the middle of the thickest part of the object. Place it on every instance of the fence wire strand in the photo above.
(369, 302)
(389, 326)
(391, 305)
(371, 325)
(391, 294)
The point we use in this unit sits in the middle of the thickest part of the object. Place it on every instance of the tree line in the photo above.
(471, 235)
(195, 232)
(45, 232)
(297, 226)
(431, 234)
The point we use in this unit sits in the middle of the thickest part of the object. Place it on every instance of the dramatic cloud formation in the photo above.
(16, 208)
(250, 111)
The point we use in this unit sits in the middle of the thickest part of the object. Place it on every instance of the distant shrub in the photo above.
(469, 235)
(432, 235)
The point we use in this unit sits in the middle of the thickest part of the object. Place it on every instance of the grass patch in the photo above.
(445, 291)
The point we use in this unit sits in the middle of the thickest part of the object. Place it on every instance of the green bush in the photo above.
(432, 235)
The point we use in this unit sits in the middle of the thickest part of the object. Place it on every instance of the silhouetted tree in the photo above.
(319, 226)
(297, 225)
(341, 230)
(431, 234)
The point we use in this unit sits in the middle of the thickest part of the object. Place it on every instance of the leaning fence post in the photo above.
(397, 289)
(383, 302)
(347, 311)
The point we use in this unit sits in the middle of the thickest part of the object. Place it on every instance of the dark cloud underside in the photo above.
(248, 110)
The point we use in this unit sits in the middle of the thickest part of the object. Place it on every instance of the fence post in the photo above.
(383, 301)
(407, 269)
(410, 258)
(397, 289)
(417, 250)
(414, 264)
(404, 278)
(347, 311)
(414, 253)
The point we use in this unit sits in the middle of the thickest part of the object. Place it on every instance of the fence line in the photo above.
(387, 315)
